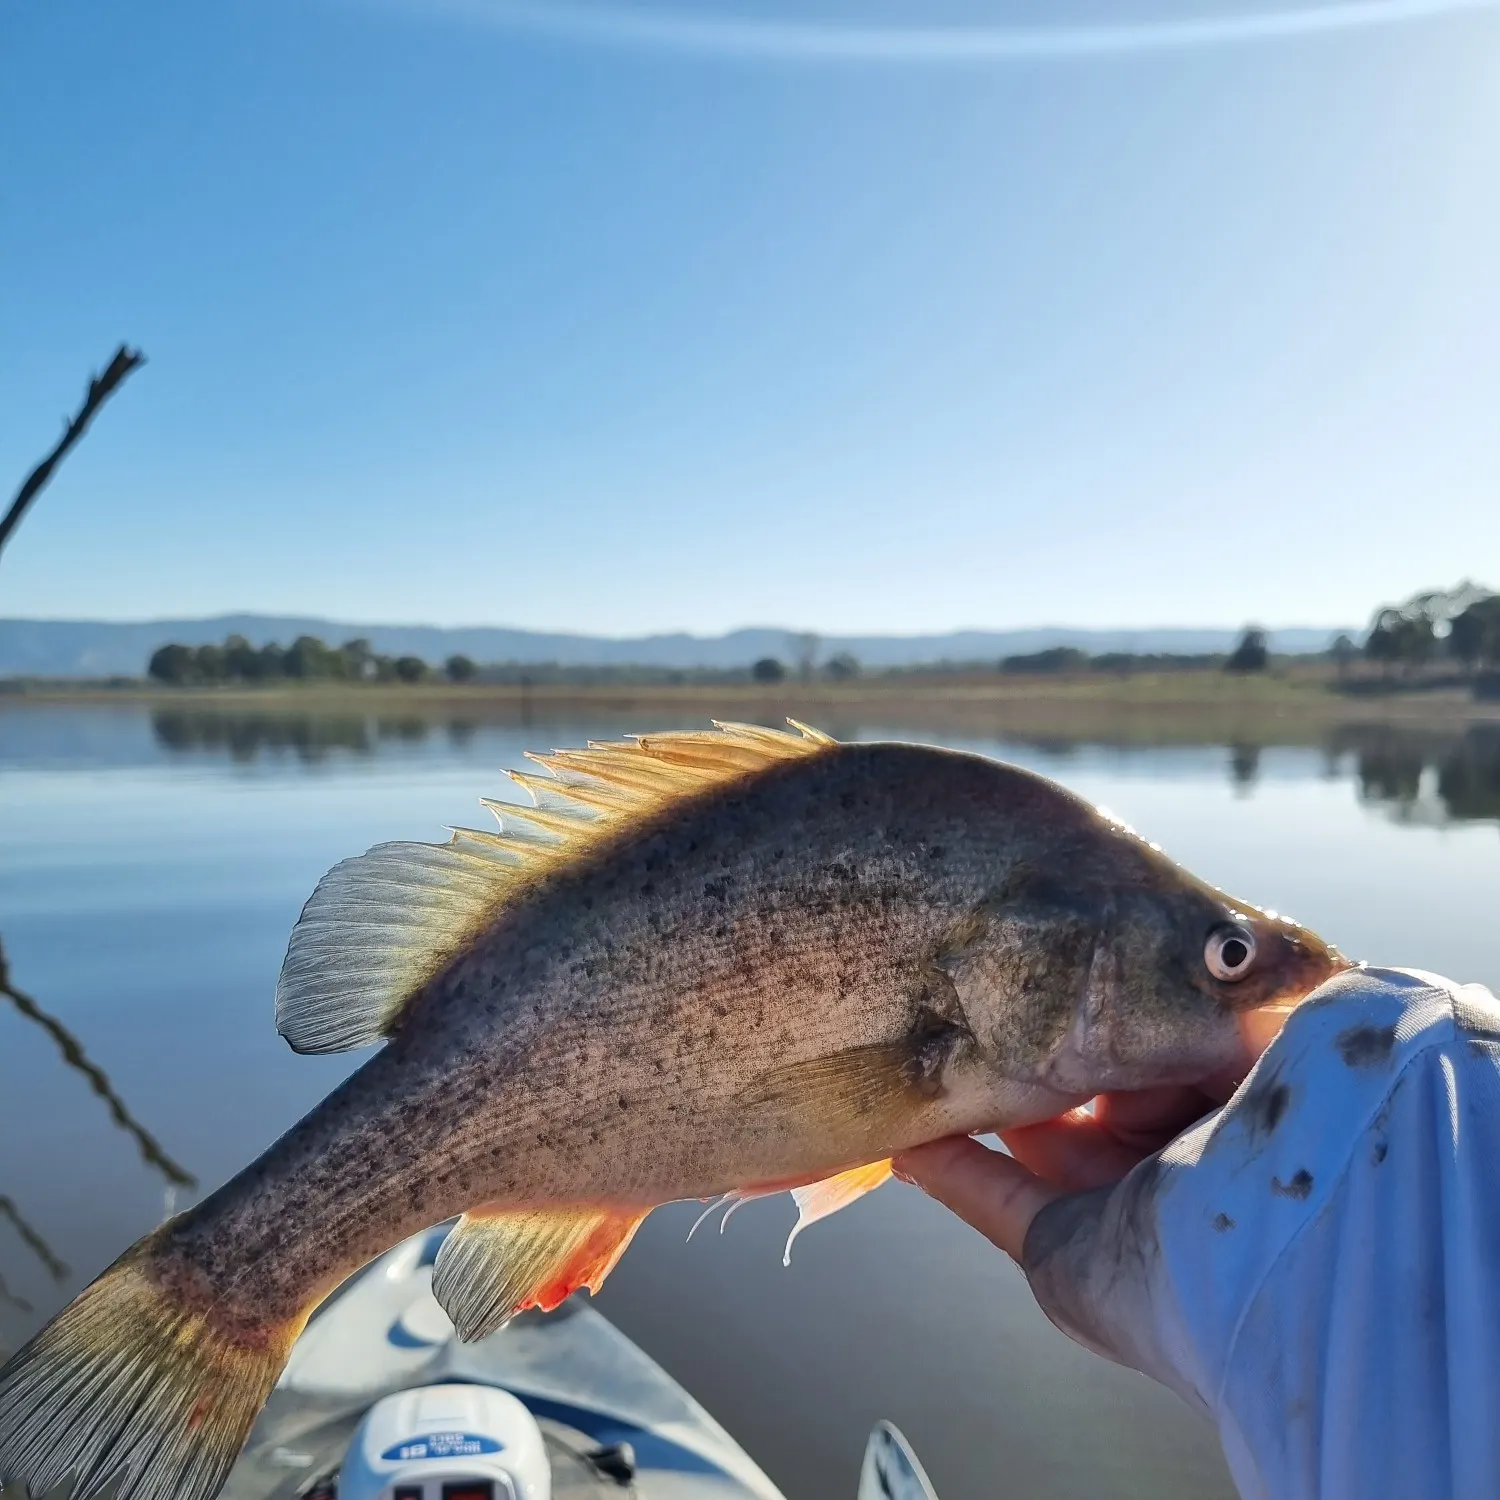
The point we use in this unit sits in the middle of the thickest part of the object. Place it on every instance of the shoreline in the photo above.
(1195, 705)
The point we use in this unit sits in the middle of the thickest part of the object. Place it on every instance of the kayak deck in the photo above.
(589, 1388)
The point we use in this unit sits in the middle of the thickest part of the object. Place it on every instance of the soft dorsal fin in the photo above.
(379, 926)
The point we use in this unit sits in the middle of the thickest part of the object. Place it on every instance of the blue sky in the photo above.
(606, 322)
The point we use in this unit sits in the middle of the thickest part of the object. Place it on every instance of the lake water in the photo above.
(152, 865)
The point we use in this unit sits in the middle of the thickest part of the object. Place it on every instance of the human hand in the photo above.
(1001, 1195)
(1310, 1266)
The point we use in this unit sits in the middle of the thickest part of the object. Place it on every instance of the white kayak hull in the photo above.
(590, 1389)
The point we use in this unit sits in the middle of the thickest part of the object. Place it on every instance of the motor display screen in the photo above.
(407, 1492)
(469, 1489)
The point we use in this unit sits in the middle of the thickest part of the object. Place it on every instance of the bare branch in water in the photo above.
(73, 1055)
(38, 1246)
(101, 388)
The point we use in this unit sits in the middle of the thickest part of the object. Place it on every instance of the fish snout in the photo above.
(1291, 963)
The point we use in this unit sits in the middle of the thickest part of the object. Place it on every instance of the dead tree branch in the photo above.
(98, 1080)
(101, 388)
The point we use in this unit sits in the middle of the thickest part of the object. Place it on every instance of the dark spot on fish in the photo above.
(1223, 1222)
(624, 1102)
(846, 800)
(649, 888)
(1366, 1046)
(936, 852)
(1299, 1187)
(1378, 1152)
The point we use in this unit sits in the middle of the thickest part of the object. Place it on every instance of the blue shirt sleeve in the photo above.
(1316, 1267)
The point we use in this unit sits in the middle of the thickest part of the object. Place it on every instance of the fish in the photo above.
(701, 965)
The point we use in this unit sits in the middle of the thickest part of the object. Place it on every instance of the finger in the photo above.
(1146, 1120)
(995, 1194)
(1073, 1152)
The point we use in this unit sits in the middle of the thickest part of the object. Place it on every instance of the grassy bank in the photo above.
(1276, 707)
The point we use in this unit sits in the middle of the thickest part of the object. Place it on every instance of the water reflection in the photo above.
(75, 1058)
(1417, 775)
(1420, 777)
(1244, 766)
(38, 1246)
(247, 736)
(96, 1078)
(149, 879)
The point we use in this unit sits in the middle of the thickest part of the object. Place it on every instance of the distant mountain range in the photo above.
(104, 648)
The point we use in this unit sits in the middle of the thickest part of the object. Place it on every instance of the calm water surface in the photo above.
(151, 867)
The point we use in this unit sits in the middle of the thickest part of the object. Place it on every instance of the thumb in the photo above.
(987, 1189)
(1089, 1257)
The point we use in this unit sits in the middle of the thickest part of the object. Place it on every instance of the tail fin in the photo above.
(129, 1382)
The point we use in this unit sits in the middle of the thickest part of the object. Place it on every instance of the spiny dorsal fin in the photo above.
(494, 1265)
(380, 925)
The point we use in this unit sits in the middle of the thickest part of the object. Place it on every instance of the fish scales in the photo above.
(769, 960)
(609, 1003)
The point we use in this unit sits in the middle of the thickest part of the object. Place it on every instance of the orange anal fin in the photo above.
(496, 1264)
(819, 1199)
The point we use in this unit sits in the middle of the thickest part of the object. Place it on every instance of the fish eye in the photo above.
(1229, 953)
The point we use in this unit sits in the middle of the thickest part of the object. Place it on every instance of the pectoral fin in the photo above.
(494, 1265)
(877, 1085)
(819, 1199)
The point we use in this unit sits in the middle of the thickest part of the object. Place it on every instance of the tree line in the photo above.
(1458, 626)
(237, 660)
(307, 658)
(1251, 654)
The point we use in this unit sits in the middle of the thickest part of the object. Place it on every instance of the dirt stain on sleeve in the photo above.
(1299, 1187)
(1366, 1046)
(1266, 1104)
